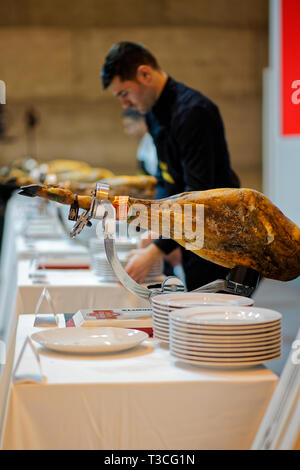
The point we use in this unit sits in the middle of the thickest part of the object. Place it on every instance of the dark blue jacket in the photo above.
(188, 132)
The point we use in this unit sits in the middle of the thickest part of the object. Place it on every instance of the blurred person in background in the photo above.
(189, 136)
(135, 126)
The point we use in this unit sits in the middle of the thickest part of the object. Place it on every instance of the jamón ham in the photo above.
(241, 226)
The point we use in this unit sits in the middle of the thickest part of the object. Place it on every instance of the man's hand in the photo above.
(141, 262)
(174, 258)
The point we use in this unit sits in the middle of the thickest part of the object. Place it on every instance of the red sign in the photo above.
(290, 66)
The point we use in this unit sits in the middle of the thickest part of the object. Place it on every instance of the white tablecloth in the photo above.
(138, 399)
(29, 231)
(71, 290)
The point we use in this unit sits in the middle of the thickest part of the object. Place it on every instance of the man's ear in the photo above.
(144, 74)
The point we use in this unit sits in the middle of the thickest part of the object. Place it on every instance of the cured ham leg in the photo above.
(241, 226)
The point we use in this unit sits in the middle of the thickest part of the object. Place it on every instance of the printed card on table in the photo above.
(138, 318)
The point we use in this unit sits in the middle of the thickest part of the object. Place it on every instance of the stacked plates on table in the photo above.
(163, 304)
(228, 336)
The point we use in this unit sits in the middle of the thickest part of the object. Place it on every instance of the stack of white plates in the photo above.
(228, 336)
(163, 304)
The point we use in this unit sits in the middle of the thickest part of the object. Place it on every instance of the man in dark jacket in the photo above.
(188, 132)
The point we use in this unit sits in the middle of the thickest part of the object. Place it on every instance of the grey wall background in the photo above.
(51, 54)
(281, 155)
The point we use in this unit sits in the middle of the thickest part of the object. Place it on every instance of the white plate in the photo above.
(219, 362)
(89, 340)
(224, 355)
(189, 299)
(227, 346)
(221, 365)
(164, 310)
(160, 322)
(226, 338)
(227, 331)
(165, 315)
(159, 332)
(171, 314)
(228, 360)
(223, 331)
(224, 316)
(166, 321)
(161, 319)
(161, 329)
(161, 338)
(161, 312)
(212, 322)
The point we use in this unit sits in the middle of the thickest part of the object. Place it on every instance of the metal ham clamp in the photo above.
(102, 209)
(239, 281)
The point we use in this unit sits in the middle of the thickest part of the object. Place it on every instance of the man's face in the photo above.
(133, 94)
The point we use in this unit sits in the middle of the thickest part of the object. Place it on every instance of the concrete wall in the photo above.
(51, 54)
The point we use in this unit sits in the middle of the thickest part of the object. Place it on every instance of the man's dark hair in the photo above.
(123, 60)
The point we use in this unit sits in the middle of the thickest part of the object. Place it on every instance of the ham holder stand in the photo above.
(240, 280)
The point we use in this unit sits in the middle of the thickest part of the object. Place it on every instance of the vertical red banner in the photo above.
(290, 66)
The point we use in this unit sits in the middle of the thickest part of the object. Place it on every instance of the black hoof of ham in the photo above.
(30, 191)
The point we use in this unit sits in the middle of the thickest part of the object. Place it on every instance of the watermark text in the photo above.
(296, 352)
(2, 353)
(296, 94)
(181, 222)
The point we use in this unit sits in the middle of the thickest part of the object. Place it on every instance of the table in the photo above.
(31, 229)
(138, 399)
(71, 290)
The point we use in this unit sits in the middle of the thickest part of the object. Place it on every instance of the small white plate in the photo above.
(189, 299)
(89, 340)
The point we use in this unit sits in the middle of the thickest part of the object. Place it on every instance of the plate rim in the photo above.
(213, 294)
(84, 348)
